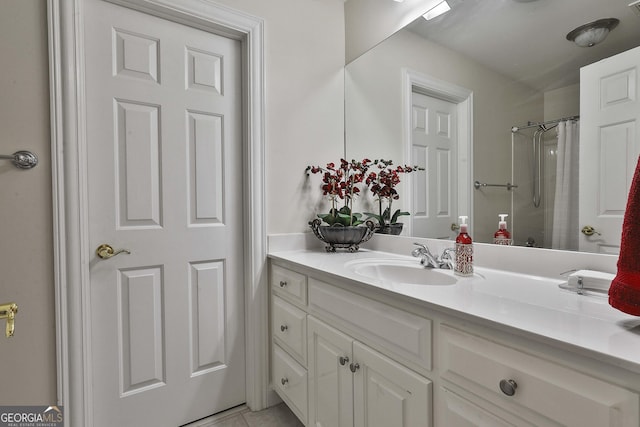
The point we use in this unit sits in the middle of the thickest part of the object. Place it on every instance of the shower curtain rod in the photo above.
(542, 124)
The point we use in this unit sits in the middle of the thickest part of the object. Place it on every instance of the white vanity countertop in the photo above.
(531, 304)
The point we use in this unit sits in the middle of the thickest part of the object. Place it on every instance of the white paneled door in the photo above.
(434, 147)
(165, 183)
(609, 147)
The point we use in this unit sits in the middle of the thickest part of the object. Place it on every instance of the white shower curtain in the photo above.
(565, 208)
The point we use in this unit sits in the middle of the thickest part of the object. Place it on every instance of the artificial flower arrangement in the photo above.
(343, 183)
(383, 186)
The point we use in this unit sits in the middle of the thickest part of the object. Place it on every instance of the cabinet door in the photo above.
(329, 377)
(388, 394)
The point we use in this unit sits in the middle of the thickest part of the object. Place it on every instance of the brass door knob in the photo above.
(588, 230)
(105, 251)
(8, 311)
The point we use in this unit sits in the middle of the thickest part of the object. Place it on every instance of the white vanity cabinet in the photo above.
(337, 380)
(351, 384)
(344, 355)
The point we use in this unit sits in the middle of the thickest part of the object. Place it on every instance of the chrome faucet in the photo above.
(429, 260)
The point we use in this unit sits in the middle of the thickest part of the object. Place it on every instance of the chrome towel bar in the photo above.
(22, 159)
(508, 185)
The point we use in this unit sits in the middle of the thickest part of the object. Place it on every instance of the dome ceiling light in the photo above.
(591, 34)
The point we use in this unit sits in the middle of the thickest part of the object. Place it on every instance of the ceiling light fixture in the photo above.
(437, 10)
(591, 34)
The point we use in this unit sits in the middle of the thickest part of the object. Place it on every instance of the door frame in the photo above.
(463, 98)
(71, 249)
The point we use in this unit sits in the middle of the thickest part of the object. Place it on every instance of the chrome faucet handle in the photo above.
(426, 257)
(420, 250)
(446, 259)
(448, 253)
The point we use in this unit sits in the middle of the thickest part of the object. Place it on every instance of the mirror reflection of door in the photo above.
(609, 147)
(434, 147)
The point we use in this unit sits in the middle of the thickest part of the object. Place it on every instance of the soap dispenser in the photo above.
(464, 250)
(502, 236)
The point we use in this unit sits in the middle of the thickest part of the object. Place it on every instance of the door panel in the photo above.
(141, 340)
(207, 316)
(138, 165)
(164, 168)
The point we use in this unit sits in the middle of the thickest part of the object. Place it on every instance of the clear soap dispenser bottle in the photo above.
(464, 250)
(502, 236)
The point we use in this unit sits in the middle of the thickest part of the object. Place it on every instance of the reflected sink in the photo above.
(401, 271)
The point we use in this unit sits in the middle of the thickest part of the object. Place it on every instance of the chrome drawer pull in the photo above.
(508, 387)
(344, 360)
(284, 381)
(283, 328)
(283, 283)
(354, 367)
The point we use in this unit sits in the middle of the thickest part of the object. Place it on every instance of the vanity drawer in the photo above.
(289, 284)
(567, 397)
(460, 412)
(289, 328)
(289, 380)
(394, 330)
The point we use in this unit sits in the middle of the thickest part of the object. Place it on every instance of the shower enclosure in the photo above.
(536, 149)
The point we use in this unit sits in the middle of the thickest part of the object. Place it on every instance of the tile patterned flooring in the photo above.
(276, 416)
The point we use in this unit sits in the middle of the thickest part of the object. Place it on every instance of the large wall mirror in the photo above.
(481, 78)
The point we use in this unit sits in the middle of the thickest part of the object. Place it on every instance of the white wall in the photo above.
(304, 101)
(388, 16)
(374, 108)
(562, 102)
(304, 55)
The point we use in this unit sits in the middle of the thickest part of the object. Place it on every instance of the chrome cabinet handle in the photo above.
(588, 230)
(105, 251)
(508, 387)
(344, 360)
(284, 381)
(283, 328)
(354, 367)
(283, 283)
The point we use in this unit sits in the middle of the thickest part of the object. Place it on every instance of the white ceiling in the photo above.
(527, 40)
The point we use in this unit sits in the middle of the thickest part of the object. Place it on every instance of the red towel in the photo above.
(624, 293)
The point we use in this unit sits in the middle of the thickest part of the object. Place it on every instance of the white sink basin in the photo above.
(401, 271)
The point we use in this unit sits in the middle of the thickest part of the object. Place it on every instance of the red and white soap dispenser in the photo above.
(464, 250)
(502, 236)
